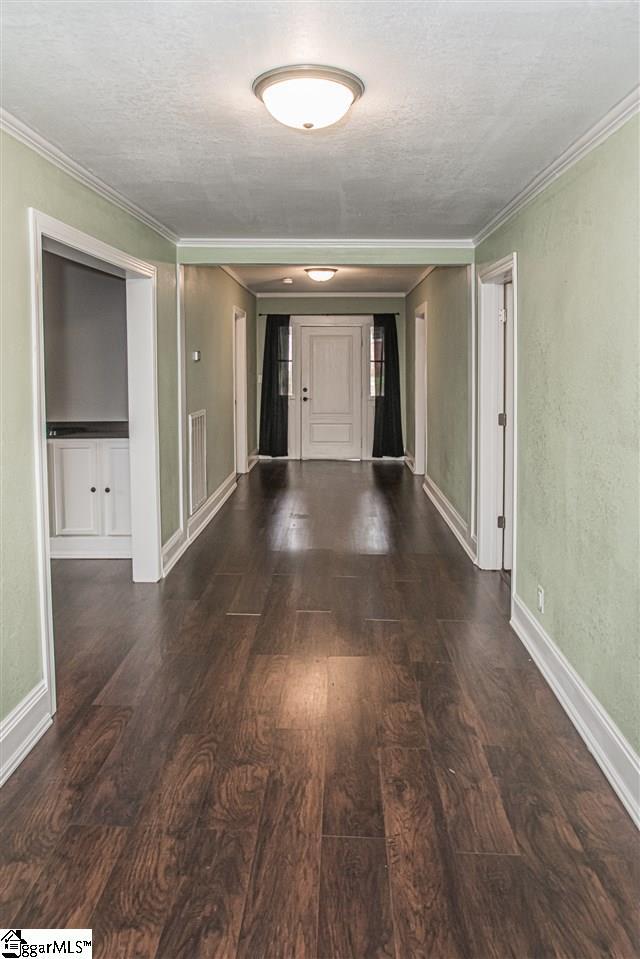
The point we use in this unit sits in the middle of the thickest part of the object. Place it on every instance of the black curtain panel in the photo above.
(387, 429)
(276, 385)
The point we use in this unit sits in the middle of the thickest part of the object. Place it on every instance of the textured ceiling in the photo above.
(348, 279)
(465, 103)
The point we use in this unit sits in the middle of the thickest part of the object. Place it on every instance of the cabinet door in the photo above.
(116, 487)
(76, 492)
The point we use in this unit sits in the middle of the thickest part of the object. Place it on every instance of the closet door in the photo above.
(116, 487)
(76, 491)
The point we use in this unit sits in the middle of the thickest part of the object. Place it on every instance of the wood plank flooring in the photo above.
(318, 738)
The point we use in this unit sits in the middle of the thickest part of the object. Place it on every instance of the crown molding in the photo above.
(324, 296)
(422, 277)
(599, 132)
(234, 276)
(240, 243)
(20, 131)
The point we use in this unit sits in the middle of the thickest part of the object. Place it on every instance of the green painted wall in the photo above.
(447, 293)
(578, 416)
(209, 297)
(322, 255)
(321, 306)
(28, 180)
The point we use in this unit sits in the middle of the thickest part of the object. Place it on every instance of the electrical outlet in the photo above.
(540, 592)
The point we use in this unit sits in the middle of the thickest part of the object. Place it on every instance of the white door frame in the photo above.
(491, 280)
(420, 390)
(240, 442)
(365, 321)
(146, 539)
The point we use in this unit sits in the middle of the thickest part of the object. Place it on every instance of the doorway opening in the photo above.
(497, 416)
(128, 467)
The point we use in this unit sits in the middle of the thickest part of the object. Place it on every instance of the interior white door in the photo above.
(116, 486)
(75, 480)
(331, 397)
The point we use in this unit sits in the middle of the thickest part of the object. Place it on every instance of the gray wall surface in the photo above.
(85, 333)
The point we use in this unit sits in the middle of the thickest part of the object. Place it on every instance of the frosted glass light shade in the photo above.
(321, 276)
(308, 97)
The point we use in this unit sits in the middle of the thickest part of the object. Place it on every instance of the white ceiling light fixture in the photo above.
(287, 280)
(308, 97)
(321, 274)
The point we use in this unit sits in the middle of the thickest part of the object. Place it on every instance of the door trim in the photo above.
(365, 321)
(240, 429)
(420, 390)
(146, 541)
(491, 279)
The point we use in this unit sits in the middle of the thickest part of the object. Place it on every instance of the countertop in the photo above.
(116, 429)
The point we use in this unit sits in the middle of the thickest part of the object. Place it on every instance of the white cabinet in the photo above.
(116, 486)
(76, 499)
(90, 498)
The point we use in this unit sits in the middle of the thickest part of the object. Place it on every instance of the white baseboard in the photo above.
(181, 541)
(23, 727)
(90, 547)
(610, 749)
(410, 462)
(451, 516)
(173, 550)
(253, 459)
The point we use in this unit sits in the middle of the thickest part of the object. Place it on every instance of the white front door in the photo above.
(331, 399)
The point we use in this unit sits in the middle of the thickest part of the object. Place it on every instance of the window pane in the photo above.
(376, 362)
(285, 362)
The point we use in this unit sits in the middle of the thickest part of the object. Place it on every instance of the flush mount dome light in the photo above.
(321, 275)
(308, 97)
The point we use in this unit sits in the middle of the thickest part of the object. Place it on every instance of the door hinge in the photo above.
(502, 315)
(500, 522)
(502, 419)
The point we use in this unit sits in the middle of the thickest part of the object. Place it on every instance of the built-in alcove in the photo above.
(85, 336)
(86, 389)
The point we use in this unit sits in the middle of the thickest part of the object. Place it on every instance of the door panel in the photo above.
(76, 494)
(331, 400)
(116, 488)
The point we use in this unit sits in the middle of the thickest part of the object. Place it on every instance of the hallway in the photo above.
(318, 737)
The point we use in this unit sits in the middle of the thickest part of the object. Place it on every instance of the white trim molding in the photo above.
(422, 277)
(179, 542)
(23, 727)
(487, 479)
(610, 749)
(328, 243)
(90, 547)
(253, 459)
(608, 124)
(323, 296)
(20, 131)
(458, 526)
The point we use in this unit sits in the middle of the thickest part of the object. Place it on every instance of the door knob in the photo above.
(93, 489)
(304, 389)
(107, 489)
(305, 399)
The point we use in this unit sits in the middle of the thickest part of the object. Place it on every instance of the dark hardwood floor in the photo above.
(318, 737)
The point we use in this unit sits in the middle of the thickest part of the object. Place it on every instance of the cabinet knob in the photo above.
(107, 490)
(93, 489)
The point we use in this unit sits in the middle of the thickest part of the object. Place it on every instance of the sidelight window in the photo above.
(376, 361)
